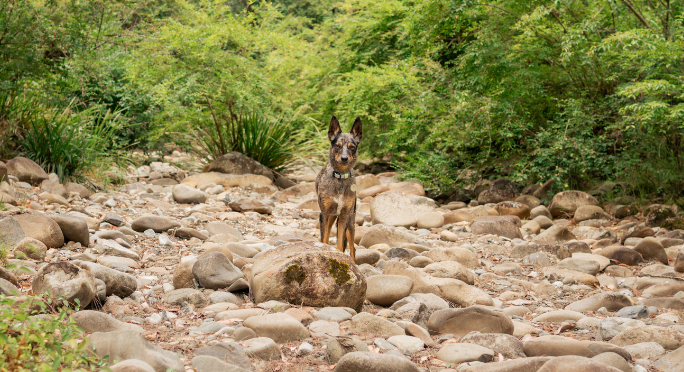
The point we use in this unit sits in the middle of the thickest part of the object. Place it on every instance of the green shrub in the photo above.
(31, 340)
(70, 144)
(273, 143)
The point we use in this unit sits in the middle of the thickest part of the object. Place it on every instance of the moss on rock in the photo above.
(339, 271)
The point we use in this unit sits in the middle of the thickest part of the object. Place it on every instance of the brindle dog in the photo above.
(336, 186)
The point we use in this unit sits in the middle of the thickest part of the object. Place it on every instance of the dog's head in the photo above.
(344, 146)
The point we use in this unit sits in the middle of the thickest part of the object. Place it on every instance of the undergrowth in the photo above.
(38, 335)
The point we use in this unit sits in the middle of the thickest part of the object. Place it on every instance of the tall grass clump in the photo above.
(274, 143)
(70, 143)
(16, 109)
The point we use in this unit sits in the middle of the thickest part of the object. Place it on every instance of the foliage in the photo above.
(31, 340)
(69, 143)
(271, 143)
(449, 91)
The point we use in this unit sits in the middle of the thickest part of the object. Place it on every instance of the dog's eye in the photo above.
(352, 148)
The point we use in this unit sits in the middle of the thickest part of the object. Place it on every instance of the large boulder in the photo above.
(74, 229)
(237, 163)
(498, 191)
(399, 209)
(307, 273)
(123, 345)
(26, 170)
(68, 280)
(567, 202)
(40, 227)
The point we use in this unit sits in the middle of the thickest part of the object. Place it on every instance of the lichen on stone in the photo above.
(339, 271)
(295, 273)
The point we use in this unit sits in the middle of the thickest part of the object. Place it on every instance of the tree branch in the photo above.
(636, 13)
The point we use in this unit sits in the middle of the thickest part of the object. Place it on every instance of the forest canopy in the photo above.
(449, 90)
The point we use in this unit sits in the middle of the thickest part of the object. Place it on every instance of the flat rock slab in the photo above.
(281, 328)
(463, 352)
(559, 346)
(362, 361)
(668, 338)
(460, 322)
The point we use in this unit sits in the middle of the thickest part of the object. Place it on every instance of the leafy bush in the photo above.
(31, 340)
(68, 143)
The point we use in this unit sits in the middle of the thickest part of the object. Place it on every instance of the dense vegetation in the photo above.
(449, 90)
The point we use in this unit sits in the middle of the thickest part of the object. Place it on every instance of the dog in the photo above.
(336, 186)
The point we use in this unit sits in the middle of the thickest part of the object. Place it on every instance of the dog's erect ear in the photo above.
(356, 130)
(334, 129)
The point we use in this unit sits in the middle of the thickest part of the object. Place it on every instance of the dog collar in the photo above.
(342, 176)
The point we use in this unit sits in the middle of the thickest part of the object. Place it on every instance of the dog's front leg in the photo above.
(350, 241)
(342, 229)
(326, 221)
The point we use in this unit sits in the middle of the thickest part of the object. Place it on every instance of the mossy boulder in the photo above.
(308, 273)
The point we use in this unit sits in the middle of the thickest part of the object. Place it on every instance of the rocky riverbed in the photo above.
(222, 271)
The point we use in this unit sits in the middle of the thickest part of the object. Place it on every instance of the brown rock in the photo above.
(559, 346)
(511, 208)
(679, 263)
(514, 365)
(567, 202)
(622, 255)
(498, 191)
(528, 200)
(460, 322)
(458, 216)
(26, 170)
(651, 250)
(669, 338)
(496, 225)
(182, 276)
(555, 234)
(40, 227)
(237, 163)
(575, 364)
